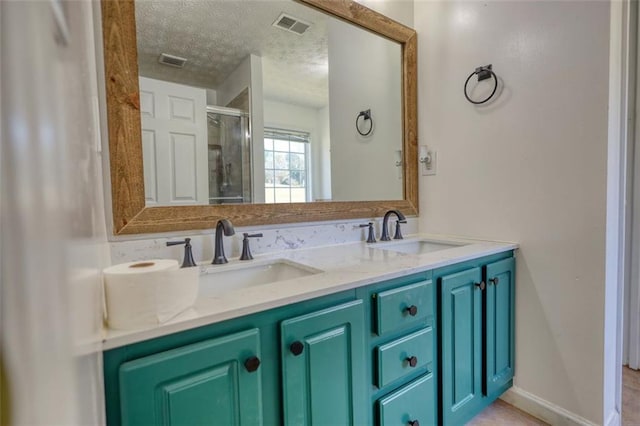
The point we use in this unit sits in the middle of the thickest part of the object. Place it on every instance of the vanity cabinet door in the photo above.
(323, 367)
(461, 314)
(500, 324)
(214, 382)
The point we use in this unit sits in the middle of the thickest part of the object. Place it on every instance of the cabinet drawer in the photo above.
(413, 402)
(395, 358)
(403, 306)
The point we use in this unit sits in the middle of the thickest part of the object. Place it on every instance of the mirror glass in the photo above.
(265, 102)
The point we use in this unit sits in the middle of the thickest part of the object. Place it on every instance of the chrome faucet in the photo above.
(385, 225)
(223, 225)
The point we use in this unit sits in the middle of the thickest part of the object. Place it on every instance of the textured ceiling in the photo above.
(216, 35)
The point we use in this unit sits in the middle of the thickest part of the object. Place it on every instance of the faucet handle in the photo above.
(398, 234)
(371, 237)
(188, 261)
(246, 251)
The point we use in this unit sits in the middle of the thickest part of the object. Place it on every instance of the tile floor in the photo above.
(630, 397)
(502, 414)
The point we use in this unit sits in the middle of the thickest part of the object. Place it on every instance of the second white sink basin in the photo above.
(218, 279)
(417, 246)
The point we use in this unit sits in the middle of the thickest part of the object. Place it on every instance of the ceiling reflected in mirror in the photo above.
(215, 37)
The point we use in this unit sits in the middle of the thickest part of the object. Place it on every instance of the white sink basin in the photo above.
(417, 246)
(219, 279)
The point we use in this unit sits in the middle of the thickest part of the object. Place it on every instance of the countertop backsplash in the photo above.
(276, 238)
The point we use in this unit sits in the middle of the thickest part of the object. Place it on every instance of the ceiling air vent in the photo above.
(291, 24)
(171, 60)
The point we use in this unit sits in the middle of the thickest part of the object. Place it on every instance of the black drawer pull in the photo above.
(252, 364)
(481, 285)
(494, 280)
(412, 360)
(414, 423)
(296, 348)
(411, 310)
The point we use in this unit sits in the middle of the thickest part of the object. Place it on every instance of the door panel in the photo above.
(176, 116)
(329, 351)
(202, 383)
(461, 344)
(500, 324)
(189, 398)
(183, 171)
(324, 384)
(150, 178)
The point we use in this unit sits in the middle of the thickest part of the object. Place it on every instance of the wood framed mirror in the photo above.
(131, 212)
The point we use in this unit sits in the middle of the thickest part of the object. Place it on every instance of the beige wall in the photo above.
(529, 168)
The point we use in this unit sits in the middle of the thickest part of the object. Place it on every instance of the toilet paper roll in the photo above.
(148, 293)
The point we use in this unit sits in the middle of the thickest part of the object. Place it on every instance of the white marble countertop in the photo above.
(344, 266)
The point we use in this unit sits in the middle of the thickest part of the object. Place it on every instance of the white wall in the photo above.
(530, 168)
(235, 83)
(305, 119)
(364, 73)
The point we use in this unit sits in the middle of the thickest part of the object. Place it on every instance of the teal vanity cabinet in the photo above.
(430, 348)
(323, 372)
(231, 373)
(476, 336)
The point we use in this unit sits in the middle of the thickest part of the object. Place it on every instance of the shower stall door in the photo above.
(229, 156)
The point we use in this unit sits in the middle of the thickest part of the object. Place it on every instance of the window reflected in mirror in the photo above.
(286, 165)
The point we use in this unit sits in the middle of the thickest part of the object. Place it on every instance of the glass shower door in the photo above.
(229, 156)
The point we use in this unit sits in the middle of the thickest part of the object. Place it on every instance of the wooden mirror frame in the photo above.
(131, 216)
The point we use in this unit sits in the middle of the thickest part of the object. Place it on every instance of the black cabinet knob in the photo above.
(412, 360)
(414, 423)
(252, 364)
(481, 285)
(494, 280)
(296, 348)
(411, 310)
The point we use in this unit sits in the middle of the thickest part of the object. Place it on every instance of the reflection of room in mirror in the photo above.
(300, 86)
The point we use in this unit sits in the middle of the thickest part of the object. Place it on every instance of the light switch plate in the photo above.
(428, 161)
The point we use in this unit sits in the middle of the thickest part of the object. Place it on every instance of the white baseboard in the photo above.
(542, 409)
